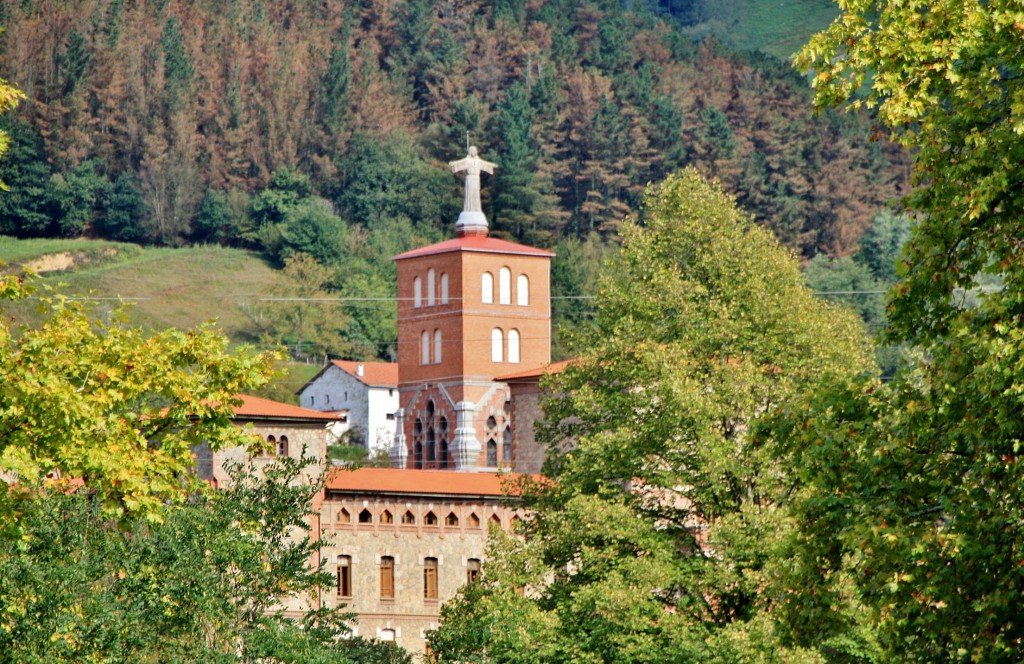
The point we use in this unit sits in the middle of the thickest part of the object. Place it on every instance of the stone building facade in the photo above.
(288, 430)
(401, 543)
(367, 390)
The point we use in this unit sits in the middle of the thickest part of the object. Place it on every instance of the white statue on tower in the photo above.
(472, 220)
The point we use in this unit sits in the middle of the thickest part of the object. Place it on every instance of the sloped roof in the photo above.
(429, 482)
(532, 375)
(375, 374)
(258, 407)
(477, 244)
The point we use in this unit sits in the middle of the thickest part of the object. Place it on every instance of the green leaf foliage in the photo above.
(97, 400)
(911, 497)
(658, 536)
(205, 585)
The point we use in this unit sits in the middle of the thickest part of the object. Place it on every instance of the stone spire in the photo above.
(472, 220)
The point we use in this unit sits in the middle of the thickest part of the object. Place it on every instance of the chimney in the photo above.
(359, 370)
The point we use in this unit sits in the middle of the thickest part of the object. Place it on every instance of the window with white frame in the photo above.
(430, 287)
(487, 288)
(437, 346)
(513, 346)
(425, 347)
(417, 292)
(505, 286)
(444, 288)
(497, 341)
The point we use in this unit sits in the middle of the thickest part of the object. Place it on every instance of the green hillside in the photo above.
(781, 27)
(163, 287)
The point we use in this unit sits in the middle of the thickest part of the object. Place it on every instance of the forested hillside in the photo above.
(323, 128)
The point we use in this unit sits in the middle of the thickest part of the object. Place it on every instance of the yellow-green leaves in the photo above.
(96, 401)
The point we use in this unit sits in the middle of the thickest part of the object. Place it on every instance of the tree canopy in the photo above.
(95, 400)
(205, 585)
(657, 536)
(913, 489)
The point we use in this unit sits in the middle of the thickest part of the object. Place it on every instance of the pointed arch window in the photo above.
(487, 288)
(497, 341)
(417, 292)
(418, 456)
(513, 346)
(506, 445)
(523, 290)
(431, 290)
(492, 453)
(437, 346)
(444, 288)
(431, 448)
(408, 519)
(443, 461)
(505, 286)
(425, 347)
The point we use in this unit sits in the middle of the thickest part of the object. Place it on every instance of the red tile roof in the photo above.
(475, 243)
(258, 407)
(530, 375)
(433, 482)
(375, 374)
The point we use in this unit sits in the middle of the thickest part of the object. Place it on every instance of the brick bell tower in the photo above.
(469, 309)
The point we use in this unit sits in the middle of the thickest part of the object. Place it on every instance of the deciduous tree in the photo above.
(657, 538)
(99, 401)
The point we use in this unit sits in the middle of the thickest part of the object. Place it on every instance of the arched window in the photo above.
(344, 576)
(430, 519)
(272, 444)
(513, 346)
(444, 288)
(492, 453)
(443, 461)
(365, 516)
(431, 290)
(431, 448)
(505, 286)
(474, 520)
(437, 346)
(417, 292)
(425, 347)
(408, 519)
(344, 516)
(282, 446)
(385, 517)
(487, 288)
(418, 456)
(506, 446)
(496, 521)
(451, 520)
(522, 290)
(497, 341)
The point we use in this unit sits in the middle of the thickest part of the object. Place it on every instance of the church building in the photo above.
(469, 309)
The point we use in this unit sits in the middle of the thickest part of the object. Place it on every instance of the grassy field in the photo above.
(782, 27)
(163, 287)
